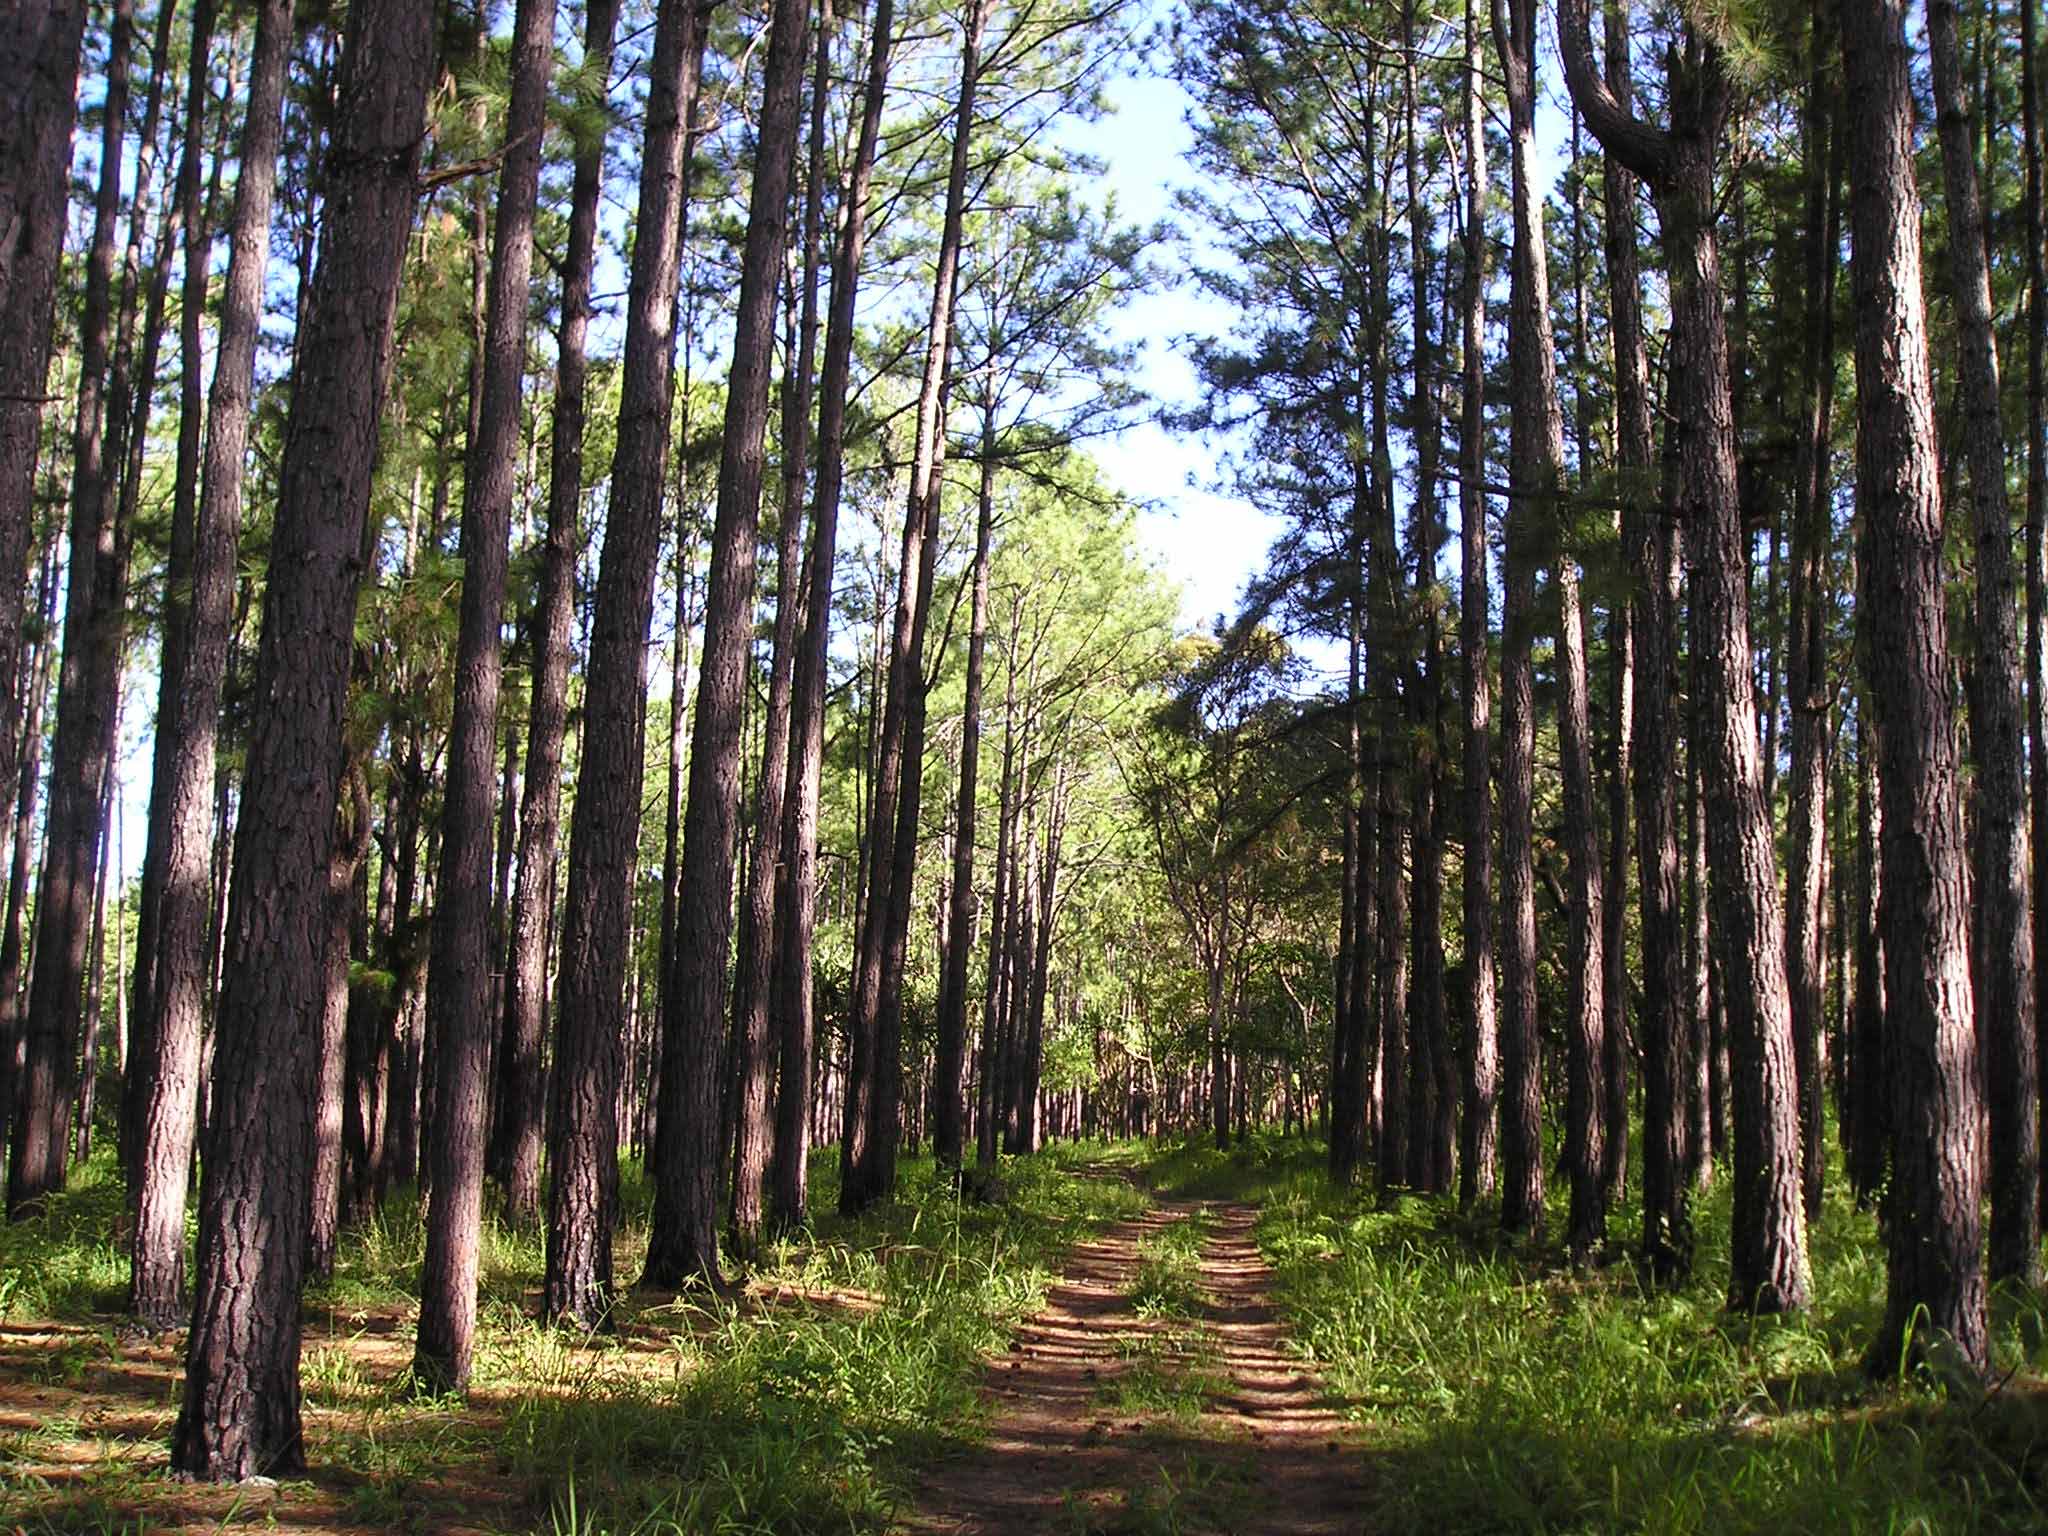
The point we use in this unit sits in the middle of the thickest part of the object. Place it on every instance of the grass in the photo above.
(802, 1405)
(1506, 1392)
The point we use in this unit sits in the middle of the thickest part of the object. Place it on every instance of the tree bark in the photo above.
(1478, 1136)
(87, 684)
(754, 1069)
(1514, 26)
(683, 1243)
(797, 902)
(523, 1074)
(604, 835)
(1934, 1293)
(460, 1015)
(2002, 939)
(241, 1406)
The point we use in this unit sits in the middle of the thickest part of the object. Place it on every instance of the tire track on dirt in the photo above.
(1268, 1453)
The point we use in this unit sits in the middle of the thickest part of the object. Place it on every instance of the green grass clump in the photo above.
(1508, 1392)
(67, 1262)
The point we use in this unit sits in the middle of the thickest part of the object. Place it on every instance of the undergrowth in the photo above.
(800, 1405)
(1504, 1391)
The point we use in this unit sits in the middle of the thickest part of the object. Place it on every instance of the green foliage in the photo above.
(1511, 1395)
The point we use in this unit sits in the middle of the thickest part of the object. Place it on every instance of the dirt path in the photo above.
(1118, 1411)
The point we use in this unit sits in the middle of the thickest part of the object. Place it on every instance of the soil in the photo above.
(1266, 1452)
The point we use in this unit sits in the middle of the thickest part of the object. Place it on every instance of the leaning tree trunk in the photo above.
(604, 836)
(683, 1242)
(241, 1408)
(460, 1016)
(2002, 942)
(1934, 1292)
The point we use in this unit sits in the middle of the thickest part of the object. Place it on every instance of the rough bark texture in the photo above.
(948, 1117)
(604, 836)
(2037, 513)
(86, 694)
(799, 898)
(1769, 1255)
(683, 1242)
(2002, 938)
(522, 1075)
(1934, 1294)
(754, 1066)
(39, 57)
(189, 726)
(1806, 812)
(1477, 1146)
(1650, 548)
(868, 1154)
(1521, 1131)
(241, 1405)
(460, 1017)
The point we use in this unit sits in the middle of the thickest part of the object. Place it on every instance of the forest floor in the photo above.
(1132, 1339)
(1156, 1390)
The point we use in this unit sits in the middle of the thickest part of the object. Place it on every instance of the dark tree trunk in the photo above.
(1866, 1127)
(2002, 939)
(604, 836)
(241, 1408)
(1806, 814)
(2037, 515)
(1769, 1258)
(39, 59)
(1650, 548)
(948, 1136)
(522, 1077)
(324, 1209)
(868, 1154)
(798, 901)
(1477, 1145)
(174, 651)
(39, 666)
(87, 688)
(1934, 1277)
(1514, 25)
(754, 1068)
(683, 1243)
(460, 1016)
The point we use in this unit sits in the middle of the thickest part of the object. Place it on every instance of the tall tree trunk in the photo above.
(1934, 1276)
(798, 901)
(1806, 814)
(754, 1070)
(1769, 1259)
(683, 1243)
(604, 835)
(2002, 940)
(1477, 1145)
(1514, 25)
(522, 1075)
(175, 651)
(1649, 547)
(241, 1408)
(39, 60)
(460, 1016)
(948, 1110)
(38, 666)
(868, 1154)
(2037, 516)
(86, 688)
